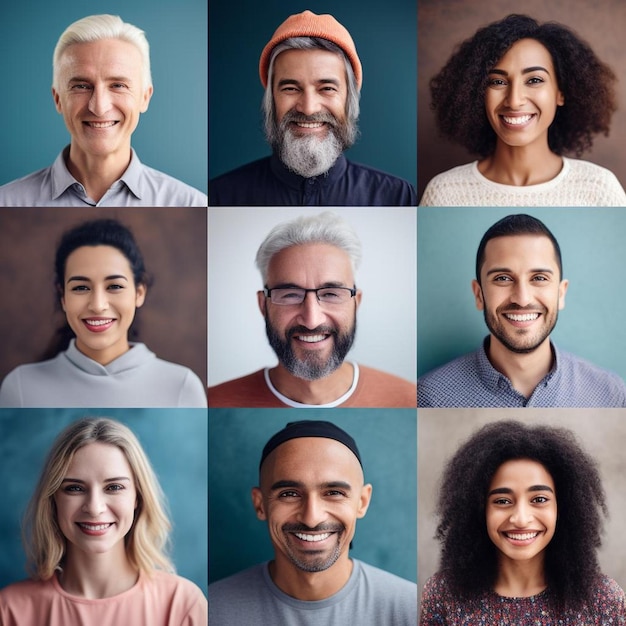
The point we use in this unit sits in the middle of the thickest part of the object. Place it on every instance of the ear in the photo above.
(562, 291)
(478, 295)
(364, 501)
(257, 503)
(57, 100)
(357, 298)
(140, 295)
(560, 99)
(145, 100)
(261, 301)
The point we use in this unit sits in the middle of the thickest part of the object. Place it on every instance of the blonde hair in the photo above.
(148, 538)
(95, 28)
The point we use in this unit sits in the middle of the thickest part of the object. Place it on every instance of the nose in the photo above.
(98, 300)
(308, 102)
(100, 101)
(311, 314)
(521, 515)
(521, 294)
(312, 511)
(94, 504)
(516, 96)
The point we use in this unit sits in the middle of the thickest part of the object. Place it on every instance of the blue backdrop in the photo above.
(387, 441)
(385, 34)
(175, 441)
(172, 134)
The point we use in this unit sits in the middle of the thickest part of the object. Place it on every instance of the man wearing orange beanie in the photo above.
(312, 77)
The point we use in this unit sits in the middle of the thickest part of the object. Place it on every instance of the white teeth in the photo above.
(97, 322)
(521, 536)
(312, 537)
(528, 317)
(311, 338)
(516, 121)
(101, 124)
(94, 526)
(310, 124)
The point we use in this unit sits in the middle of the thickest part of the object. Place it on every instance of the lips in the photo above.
(89, 528)
(312, 538)
(525, 317)
(98, 324)
(311, 338)
(100, 125)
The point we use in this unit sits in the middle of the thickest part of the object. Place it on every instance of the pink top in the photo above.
(159, 600)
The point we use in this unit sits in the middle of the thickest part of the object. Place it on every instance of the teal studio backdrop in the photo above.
(594, 257)
(387, 440)
(385, 34)
(171, 135)
(175, 441)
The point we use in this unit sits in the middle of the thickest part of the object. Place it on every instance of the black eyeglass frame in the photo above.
(268, 292)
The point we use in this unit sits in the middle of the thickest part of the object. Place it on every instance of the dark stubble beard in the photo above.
(313, 366)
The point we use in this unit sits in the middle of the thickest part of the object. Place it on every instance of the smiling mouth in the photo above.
(94, 527)
(101, 124)
(312, 538)
(521, 536)
(517, 120)
(525, 317)
(311, 338)
(99, 322)
(310, 124)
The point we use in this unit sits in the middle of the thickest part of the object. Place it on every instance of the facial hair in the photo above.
(317, 563)
(312, 366)
(309, 155)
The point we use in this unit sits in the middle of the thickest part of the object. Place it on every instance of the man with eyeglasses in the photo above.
(309, 303)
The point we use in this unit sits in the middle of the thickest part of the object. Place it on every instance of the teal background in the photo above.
(385, 35)
(387, 441)
(171, 135)
(175, 441)
(594, 257)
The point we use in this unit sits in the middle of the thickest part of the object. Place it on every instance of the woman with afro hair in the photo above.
(520, 95)
(520, 517)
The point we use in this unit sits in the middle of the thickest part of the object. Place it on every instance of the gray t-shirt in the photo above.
(371, 597)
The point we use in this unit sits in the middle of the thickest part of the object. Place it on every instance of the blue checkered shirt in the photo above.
(471, 381)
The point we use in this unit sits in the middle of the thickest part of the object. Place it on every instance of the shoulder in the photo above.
(443, 386)
(170, 191)
(172, 585)
(25, 596)
(594, 184)
(388, 189)
(237, 585)
(243, 172)
(582, 168)
(388, 584)
(381, 389)
(180, 380)
(25, 191)
(246, 391)
(444, 188)
(609, 600)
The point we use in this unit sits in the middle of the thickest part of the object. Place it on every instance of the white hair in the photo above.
(327, 228)
(95, 28)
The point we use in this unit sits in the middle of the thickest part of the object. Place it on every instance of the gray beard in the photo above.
(309, 156)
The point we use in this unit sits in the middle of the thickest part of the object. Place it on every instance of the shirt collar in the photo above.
(63, 180)
(295, 181)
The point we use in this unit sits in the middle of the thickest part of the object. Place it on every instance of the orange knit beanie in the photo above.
(308, 24)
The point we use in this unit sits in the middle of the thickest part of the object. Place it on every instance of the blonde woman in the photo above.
(95, 534)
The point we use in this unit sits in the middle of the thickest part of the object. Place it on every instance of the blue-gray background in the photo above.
(175, 441)
(172, 134)
(385, 35)
(387, 441)
(594, 257)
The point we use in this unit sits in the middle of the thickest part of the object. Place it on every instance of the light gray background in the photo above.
(386, 327)
(601, 432)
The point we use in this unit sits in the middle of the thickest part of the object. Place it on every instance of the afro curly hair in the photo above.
(571, 565)
(587, 84)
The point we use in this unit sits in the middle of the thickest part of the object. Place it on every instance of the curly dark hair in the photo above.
(587, 84)
(571, 565)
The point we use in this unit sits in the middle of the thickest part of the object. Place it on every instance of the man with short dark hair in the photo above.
(312, 77)
(520, 289)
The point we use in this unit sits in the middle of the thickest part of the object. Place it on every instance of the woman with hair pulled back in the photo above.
(101, 281)
(520, 520)
(95, 533)
(521, 95)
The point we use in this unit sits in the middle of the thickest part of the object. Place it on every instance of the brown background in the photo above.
(443, 24)
(172, 322)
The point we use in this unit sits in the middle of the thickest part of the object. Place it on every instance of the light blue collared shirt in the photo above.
(139, 185)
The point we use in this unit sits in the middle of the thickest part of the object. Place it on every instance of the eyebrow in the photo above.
(120, 79)
(507, 490)
(86, 279)
(116, 479)
(326, 285)
(527, 70)
(321, 81)
(538, 270)
(334, 484)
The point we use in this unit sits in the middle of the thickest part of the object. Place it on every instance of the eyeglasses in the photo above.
(296, 295)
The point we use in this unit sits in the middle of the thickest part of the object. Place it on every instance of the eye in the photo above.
(72, 489)
(535, 80)
(115, 287)
(81, 87)
(336, 493)
(79, 288)
(541, 278)
(115, 487)
(540, 500)
(496, 82)
(502, 279)
(288, 494)
(502, 501)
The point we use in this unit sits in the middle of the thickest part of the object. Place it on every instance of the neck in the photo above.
(321, 391)
(104, 357)
(97, 576)
(520, 579)
(310, 586)
(521, 165)
(525, 371)
(97, 173)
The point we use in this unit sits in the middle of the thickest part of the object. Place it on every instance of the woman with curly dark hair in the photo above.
(520, 95)
(520, 511)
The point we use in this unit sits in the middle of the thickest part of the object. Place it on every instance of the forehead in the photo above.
(527, 53)
(523, 252)
(309, 65)
(310, 265)
(311, 460)
(521, 474)
(102, 58)
(99, 459)
(96, 258)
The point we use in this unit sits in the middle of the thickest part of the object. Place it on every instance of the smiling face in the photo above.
(310, 339)
(99, 300)
(100, 93)
(96, 502)
(520, 291)
(522, 94)
(521, 510)
(311, 495)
